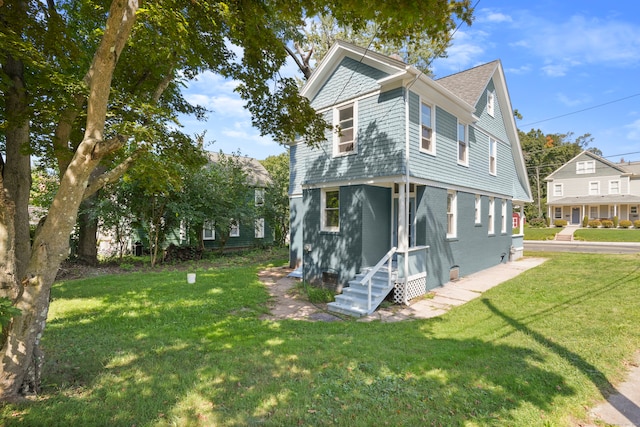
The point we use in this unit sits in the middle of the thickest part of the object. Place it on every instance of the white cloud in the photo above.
(633, 130)
(464, 52)
(488, 15)
(573, 101)
(523, 69)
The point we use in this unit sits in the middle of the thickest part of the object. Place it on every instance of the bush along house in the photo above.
(414, 186)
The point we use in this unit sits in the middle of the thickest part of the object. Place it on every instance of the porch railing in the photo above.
(367, 278)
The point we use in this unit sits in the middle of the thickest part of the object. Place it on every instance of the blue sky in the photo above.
(570, 67)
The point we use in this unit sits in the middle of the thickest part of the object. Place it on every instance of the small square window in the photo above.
(234, 230)
(491, 103)
(463, 155)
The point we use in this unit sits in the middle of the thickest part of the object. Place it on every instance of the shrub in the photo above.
(636, 223)
(585, 221)
(560, 223)
(607, 223)
(625, 223)
(547, 221)
(537, 223)
(615, 221)
(594, 223)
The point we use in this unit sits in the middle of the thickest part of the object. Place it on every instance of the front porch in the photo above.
(624, 207)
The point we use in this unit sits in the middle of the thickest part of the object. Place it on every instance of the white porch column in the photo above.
(521, 213)
(402, 224)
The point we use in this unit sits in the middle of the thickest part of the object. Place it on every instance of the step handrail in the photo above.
(374, 270)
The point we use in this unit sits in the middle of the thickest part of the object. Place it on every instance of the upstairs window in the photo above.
(588, 166)
(330, 210)
(463, 155)
(259, 196)
(344, 120)
(594, 188)
(493, 156)
(426, 129)
(491, 103)
(557, 190)
(614, 187)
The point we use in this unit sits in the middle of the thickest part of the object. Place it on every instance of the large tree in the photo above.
(97, 84)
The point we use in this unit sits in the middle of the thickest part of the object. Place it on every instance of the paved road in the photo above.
(589, 247)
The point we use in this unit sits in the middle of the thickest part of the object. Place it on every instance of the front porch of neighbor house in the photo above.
(574, 209)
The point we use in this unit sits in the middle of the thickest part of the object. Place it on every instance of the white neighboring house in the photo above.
(591, 186)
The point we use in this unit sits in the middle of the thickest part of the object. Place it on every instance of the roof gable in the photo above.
(470, 84)
(602, 165)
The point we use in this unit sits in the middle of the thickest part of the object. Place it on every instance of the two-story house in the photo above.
(418, 178)
(593, 187)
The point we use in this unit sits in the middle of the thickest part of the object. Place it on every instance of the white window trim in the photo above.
(208, 226)
(465, 141)
(336, 130)
(610, 186)
(491, 225)
(323, 208)
(259, 228)
(633, 210)
(558, 185)
(491, 103)
(597, 209)
(234, 231)
(557, 212)
(503, 228)
(452, 215)
(259, 196)
(478, 209)
(587, 166)
(432, 151)
(493, 147)
(597, 189)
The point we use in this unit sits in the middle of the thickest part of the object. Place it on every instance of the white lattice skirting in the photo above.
(415, 287)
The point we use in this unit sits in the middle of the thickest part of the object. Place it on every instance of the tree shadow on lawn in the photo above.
(197, 362)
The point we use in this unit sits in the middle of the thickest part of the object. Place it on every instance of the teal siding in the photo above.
(494, 125)
(351, 78)
(380, 146)
(246, 239)
(444, 167)
(473, 249)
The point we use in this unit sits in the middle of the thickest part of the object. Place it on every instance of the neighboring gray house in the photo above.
(590, 186)
(423, 174)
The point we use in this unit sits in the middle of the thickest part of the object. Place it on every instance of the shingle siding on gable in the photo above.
(349, 79)
(380, 146)
(493, 125)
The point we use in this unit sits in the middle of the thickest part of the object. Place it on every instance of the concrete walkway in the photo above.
(566, 234)
(455, 293)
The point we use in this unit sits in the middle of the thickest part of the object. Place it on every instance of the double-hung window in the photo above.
(344, 120)
(503, 217)
(493, 156)
(557, 212)
(234, 228)
(259, 197)
(463, 152)
(594, 188)
(588, 166)
(427, 142)
(451, 214)
(330, 206)
(491, 218)
(614, 187)
(557, 189)
(491, 103)
(208, 231)
(259, 228)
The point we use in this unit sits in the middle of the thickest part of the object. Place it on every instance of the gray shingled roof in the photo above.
(469, 85)
(257, 174)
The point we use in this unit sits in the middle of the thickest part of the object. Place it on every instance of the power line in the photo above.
(583, 110)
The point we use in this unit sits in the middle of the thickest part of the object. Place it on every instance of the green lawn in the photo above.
(146, 349)
(607, 235)
(540, 233)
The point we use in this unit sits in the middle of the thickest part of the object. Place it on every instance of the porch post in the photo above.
(402, 226)
(521, 213)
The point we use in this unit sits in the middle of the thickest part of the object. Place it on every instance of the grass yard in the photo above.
(146, 349)
(607, 235)
(540, 233)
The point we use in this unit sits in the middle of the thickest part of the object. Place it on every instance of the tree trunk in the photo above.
(20, 354)
(88, 232)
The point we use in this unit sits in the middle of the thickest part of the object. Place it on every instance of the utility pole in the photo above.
(538, 184)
